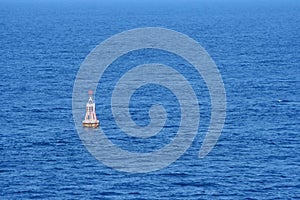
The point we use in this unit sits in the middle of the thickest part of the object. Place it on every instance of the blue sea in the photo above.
(256, 47)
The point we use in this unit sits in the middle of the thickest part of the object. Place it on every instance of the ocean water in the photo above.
(256, 46)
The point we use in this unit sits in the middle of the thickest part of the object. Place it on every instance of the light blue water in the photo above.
(256, 48)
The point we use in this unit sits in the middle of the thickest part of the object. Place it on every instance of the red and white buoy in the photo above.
(90, 119)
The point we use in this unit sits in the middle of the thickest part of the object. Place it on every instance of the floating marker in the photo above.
(90, 116)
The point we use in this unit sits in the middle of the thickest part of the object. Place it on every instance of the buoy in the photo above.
(90, 119)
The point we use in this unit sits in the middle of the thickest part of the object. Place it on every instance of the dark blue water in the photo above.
(256, 47)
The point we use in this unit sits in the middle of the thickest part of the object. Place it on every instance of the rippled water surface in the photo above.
(256, 47)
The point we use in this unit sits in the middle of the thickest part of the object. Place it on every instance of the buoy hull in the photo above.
(90, 125)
